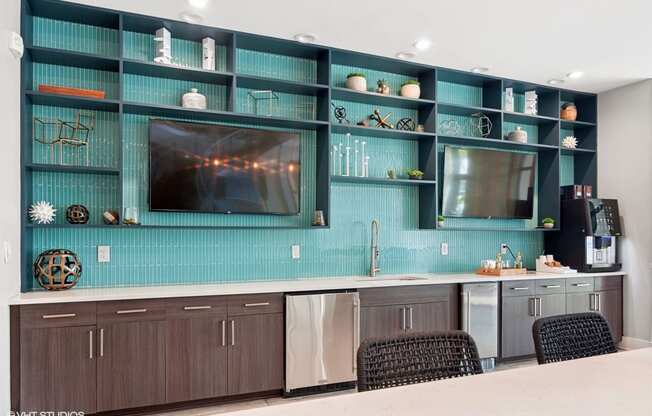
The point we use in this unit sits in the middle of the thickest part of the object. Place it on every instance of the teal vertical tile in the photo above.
(77, 37)
(460, 94)
(276, 66)
(567, 170)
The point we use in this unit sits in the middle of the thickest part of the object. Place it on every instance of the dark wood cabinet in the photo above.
(381, 321)
(58, 370)
(255, 353)
(432, 316)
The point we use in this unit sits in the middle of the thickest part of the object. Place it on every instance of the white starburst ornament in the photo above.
(42, 212)
(569, 142)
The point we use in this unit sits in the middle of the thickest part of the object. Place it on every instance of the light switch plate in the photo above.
(296, 252)
(103, 254)
(444, 249)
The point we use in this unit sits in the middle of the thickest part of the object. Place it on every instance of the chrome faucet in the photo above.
(375, 251)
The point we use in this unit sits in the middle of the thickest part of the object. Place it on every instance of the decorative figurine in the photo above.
(77, 214)
(380, 120)
(509, 99)
(383, 87)
(111, 217)
(407, 124)
(318, 219)
(569, 142)
(481, 124)
(450, 128)
(568, 112)
(519, 135)
(411, 89)
(339, 111)
(531, 103)
(356, 81)
(193, 99)
(57, 269)
(208, 54)
(42, 212)
(163, 41)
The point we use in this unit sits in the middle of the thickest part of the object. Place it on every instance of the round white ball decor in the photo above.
(42, 212)
(569, 142)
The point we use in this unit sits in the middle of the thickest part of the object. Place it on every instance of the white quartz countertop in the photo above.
(607, 385)
(275, 286)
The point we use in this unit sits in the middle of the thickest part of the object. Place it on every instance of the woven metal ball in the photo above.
(406, 124)
(57, 269)
(481, 124)
(77, 214)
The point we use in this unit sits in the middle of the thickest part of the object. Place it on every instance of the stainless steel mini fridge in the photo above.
(322, 335)
(480, 319)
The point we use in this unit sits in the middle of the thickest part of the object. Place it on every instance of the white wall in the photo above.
(10, 185)
(625, 172)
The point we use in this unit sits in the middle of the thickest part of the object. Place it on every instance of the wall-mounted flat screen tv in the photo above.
(488, 183)
(210, 168)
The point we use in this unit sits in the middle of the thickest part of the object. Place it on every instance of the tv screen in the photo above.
(210, 168)
(488, 183)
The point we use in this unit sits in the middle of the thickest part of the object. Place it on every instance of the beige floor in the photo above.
(215, 410)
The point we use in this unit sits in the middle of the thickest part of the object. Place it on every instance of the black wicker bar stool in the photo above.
(568, 337)
(416, 358)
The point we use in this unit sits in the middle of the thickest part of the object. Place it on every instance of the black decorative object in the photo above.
(416, 358)
(77, 214)
(406, 123)
(57, 269)
(380, 120)
(572, 336)
(340, 113)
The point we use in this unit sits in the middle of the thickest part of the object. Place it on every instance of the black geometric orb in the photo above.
(77, 214)
(57, 269)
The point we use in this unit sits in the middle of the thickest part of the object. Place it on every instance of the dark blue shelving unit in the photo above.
(382, 181)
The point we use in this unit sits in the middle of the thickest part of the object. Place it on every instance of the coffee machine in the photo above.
(587, 239)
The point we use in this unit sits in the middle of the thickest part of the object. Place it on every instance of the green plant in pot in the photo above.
(548, 222)
(411, 89)
(440, 220)
(356, 81)
(414, 174)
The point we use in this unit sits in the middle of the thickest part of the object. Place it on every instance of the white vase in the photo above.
(193, 99)
(356, 83)
(411, 91)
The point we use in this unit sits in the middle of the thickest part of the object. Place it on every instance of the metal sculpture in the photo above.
(57, 269)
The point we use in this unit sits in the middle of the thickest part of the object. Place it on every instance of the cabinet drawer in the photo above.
(404, 295)
(57, 315)
(518, 288)
(579, 284)
(255, 304)
(608, 283)
(549, 286)
(130, 310)
(195, 306)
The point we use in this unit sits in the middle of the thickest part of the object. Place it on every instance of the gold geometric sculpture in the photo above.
(60, 134)
(57, 269)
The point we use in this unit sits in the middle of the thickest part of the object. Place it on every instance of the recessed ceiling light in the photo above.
(422, 44)
(305, 37)
(555, 81)
(479, 69)
(190, 17)
(198, 4)
(405, 55)
(575, 74)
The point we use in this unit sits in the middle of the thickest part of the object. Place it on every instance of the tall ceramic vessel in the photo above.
(194, 99)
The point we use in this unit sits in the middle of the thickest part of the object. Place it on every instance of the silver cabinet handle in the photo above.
(232, 333)
(520, 288)
(60, 315)
(356, 333)
(90, 344)
(101, 342)
(253, 305)
(129, 311)
(581, 284)
(410, 317)
(552, 286)
(403, 327)
(468, 313)
(224, 333)
(196, 308)
(598, 303)
(592, 301)
(540, 301)
(532, 306)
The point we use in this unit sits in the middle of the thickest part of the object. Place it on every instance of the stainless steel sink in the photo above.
(390, 278)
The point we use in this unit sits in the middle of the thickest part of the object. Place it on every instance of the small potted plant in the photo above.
(411, 89)
(415, 174)
(356, 81)
(440, 221)
(548, 222)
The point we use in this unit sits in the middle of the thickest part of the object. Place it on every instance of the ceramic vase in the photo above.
(356, 83)
(519, 135)
(548, 225)
(568, 112)
(194, 99)
(411, 91)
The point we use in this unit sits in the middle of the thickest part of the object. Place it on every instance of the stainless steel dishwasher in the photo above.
(322, 335)
(480, 319)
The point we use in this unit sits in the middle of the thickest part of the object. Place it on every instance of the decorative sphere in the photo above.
(77, 214)
(57, 269)
(482, 124)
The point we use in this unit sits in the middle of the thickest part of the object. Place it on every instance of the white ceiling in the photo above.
(529, 40)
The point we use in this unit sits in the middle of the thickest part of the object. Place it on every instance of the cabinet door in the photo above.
(578, 302)
(382, 321)
(131, 364)
(255, 353)
(610, 305)
(58, 371)
(424, 317)
(550, 305)
(196, 363)
(518, 317)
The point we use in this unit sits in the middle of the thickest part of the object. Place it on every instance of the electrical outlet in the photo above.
(103, 254)
(296, 252)
(444, 249)
(503, 248)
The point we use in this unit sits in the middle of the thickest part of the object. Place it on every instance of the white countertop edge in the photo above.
(274, 286)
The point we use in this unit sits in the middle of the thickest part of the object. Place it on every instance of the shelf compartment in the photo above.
(379, 132)
(462, 115)
(544, 130)
(64, 57)
(587, 105)
(152, 69)
(547, 98)
(381, 181)
(45, 167)
(72, 12)
(280, 85)
(494, 143)
(218, 116)
(586, 134)
(372, 98)
(466, 89)
(272, 103)
(39, 98)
